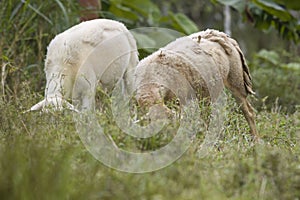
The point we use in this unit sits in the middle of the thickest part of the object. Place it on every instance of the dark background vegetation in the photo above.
(41, 156)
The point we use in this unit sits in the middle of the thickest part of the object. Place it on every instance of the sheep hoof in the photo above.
(56, 104)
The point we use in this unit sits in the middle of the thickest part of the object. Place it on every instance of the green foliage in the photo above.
(274, 9)
(150, 39)
(270, 13)
(183, 23)
(292, 4)
(239, 5)
(26, 27)
(145, 13)
(276, 80)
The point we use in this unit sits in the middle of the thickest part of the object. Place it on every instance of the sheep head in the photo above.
(150, 100)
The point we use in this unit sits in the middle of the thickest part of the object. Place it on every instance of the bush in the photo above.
(275, 80)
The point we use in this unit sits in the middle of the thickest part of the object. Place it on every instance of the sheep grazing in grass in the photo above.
(78, 59)
(206, 61)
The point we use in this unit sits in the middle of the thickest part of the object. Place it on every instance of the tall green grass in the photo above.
(41, 157)
(26, 27)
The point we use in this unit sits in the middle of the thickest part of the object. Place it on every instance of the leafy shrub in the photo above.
(275, 80)
(265, 14)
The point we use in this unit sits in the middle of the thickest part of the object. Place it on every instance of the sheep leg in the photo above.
(249, 114)
(88, 100)
(84, 91)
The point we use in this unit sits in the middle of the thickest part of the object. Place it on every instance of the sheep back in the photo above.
(94, 46)
(184, 60)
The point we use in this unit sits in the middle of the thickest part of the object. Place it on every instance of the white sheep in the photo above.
(203, 63)
(78, 59)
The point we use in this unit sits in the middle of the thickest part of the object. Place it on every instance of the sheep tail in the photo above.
(246, 73)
